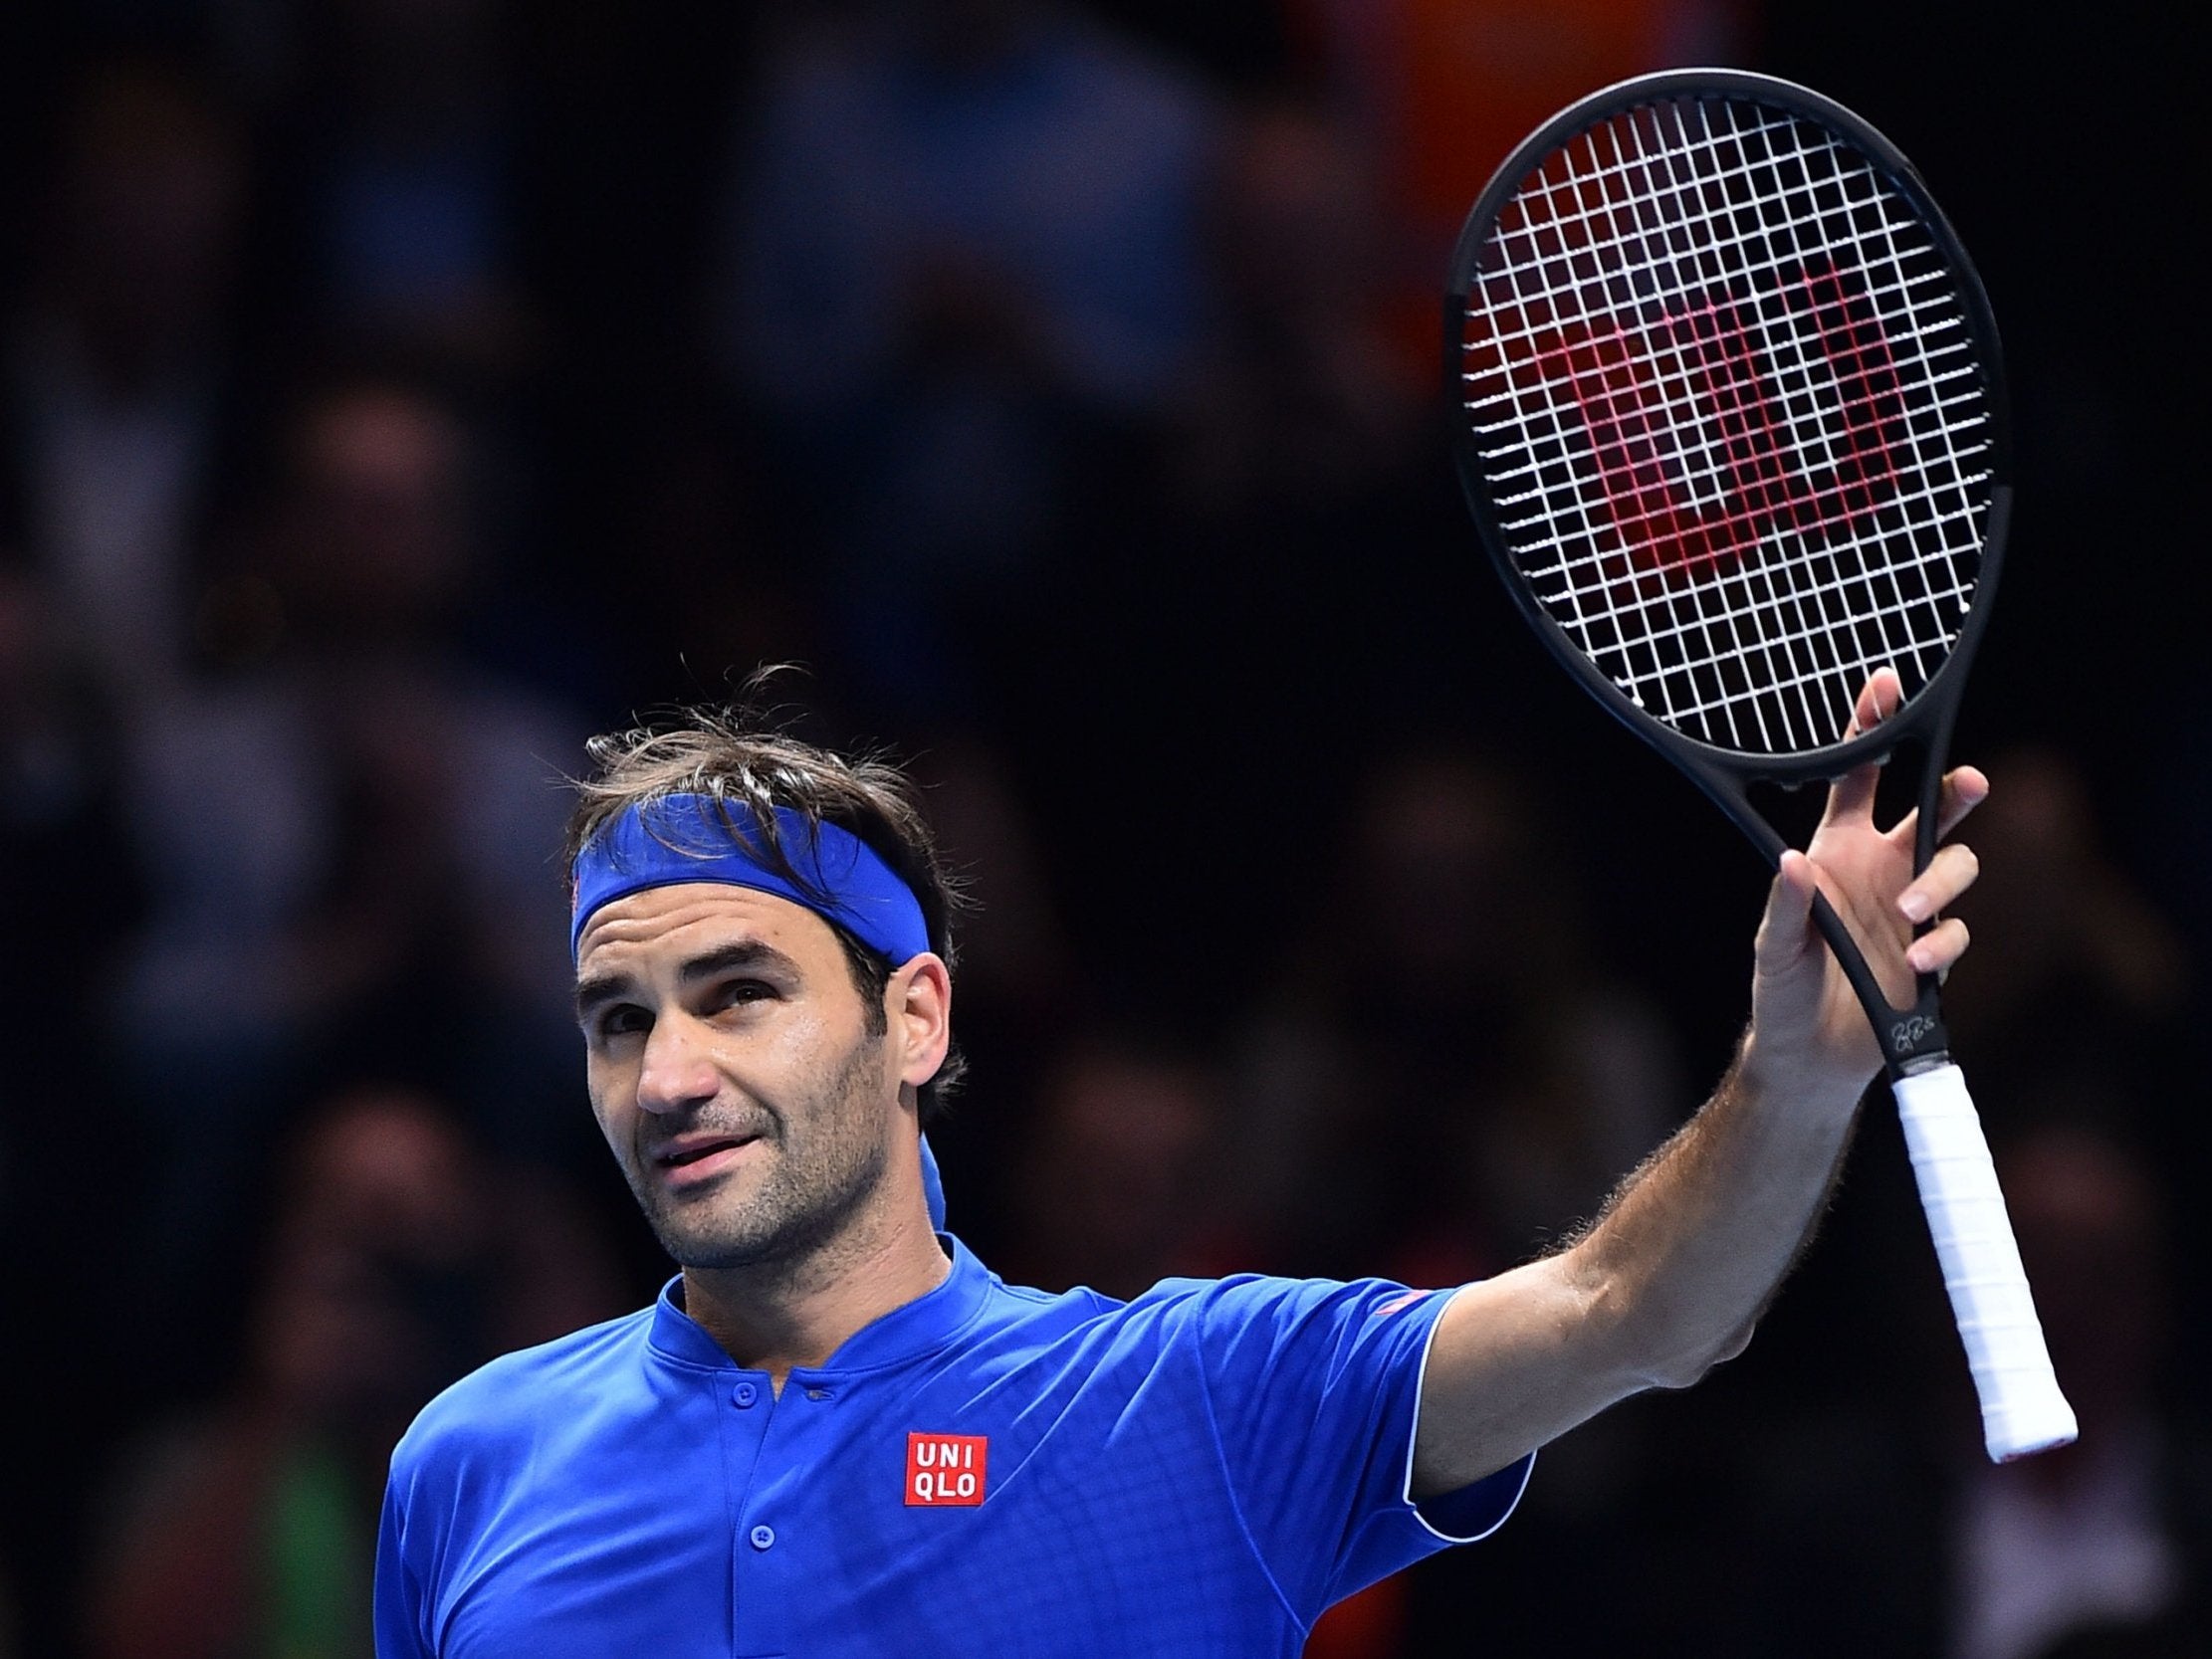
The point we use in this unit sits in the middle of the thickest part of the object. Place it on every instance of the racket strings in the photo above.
(1746, 599)
(1782, 666)
(1732, 418)
(1781, 671)
(1755, 212)
(1711, 452)
(1679, 404)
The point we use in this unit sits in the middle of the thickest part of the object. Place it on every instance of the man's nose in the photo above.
(678, 1074)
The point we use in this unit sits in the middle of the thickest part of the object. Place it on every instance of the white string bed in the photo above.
(1725, 401)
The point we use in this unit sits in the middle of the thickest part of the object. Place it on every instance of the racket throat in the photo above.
(1914, 1047)
(1912, 1039)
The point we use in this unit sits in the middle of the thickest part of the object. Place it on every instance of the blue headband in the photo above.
(695, 838)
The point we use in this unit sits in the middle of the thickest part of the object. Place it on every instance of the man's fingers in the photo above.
(1963, 790)
(1949, 872)
(1878, 699)
(1853, 794)
(1936, 950)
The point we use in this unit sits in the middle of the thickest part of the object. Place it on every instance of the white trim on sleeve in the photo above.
(1528, 1464)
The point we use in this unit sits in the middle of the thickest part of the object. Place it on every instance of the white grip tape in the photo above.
(2022, 1408)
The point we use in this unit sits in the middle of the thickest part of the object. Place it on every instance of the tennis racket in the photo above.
(1732, 422)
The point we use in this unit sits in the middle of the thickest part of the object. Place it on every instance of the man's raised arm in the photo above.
(1674, 1274)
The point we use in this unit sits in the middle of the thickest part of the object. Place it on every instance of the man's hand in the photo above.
(1809, 1039)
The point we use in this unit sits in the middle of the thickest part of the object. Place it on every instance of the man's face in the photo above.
(733, 1071)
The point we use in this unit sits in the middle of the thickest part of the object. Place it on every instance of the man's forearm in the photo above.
(1666, 1284)
(1689, 1250)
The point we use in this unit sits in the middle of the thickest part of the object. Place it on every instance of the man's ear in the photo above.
(918, 1003)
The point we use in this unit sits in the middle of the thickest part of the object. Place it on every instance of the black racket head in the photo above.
(1730, 416)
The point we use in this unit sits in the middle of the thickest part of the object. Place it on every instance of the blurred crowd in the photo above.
(394, 391)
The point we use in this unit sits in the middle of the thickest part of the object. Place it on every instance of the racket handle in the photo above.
(2022, 1408)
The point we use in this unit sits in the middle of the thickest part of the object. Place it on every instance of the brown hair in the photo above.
(750, 770)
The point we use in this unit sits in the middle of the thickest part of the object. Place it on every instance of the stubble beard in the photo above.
(807, 1195)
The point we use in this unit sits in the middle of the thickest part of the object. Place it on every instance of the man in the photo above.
(836, 1434)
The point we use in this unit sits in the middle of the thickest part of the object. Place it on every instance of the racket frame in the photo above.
(1913, 1038)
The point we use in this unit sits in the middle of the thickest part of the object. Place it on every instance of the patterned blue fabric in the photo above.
(696, 838)
(1201, 1471)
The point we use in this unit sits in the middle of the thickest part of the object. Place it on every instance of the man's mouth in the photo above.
(693, 1158)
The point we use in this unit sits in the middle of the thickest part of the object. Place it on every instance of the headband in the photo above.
(697, 838)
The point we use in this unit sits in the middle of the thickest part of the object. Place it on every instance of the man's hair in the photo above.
(751, 770)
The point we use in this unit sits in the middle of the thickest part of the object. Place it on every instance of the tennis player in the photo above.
(836, 1434)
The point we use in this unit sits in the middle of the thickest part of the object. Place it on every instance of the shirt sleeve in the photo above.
(401, 1602)
(1314, 1387)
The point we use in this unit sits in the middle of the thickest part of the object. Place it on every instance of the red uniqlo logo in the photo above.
(945, 1469)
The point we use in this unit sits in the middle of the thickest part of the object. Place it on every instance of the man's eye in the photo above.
(623, 1020)
(736, 993)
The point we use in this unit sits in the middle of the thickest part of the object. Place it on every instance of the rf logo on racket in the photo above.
(946, 1470)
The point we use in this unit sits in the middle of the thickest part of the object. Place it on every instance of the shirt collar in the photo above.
(907, 1331)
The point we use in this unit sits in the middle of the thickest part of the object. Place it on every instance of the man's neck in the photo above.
(780, 1316)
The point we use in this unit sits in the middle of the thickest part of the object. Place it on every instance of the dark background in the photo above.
(398, 390)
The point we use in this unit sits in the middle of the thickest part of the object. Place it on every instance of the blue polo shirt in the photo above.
(987, 1470)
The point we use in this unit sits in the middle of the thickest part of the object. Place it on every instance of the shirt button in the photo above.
(763, 1537)
(743, 1396)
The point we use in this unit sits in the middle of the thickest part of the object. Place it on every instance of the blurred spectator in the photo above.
(2103, 1546)
(119, 372)
(697, 526)
(68, 875)
(1016, 978)
(2077, 1008)
(1012, 953)
(399, 1260)
(1267, 576)
(1870, 1522)
(964, 257)
(69, 887)
(2074, 967)
(1443, 89)
(352, 832)
(1447, 1083)
(1301, 405)
(410, 140)
(1120, 1182)
(2080, 1005)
